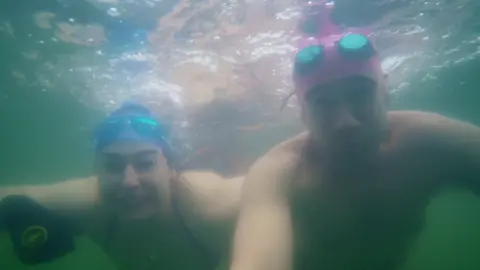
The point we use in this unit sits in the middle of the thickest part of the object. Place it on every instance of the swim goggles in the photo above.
(129, 127)
(352, 47)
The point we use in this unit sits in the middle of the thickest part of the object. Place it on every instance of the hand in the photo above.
(38, 235)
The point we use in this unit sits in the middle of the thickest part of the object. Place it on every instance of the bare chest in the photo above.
(370, 224)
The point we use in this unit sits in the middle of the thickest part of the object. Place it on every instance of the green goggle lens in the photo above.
(307, 58)
(355, 47)
(354, 42)
(352, 47)
(309, 54)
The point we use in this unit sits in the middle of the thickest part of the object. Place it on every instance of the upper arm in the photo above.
(209, 206)
(454, 148)
(207, 194)
(264, 190)
(263, 236)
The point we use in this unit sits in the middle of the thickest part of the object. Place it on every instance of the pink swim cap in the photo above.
(326, 53)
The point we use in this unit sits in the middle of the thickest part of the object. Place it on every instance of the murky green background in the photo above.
(57, 83)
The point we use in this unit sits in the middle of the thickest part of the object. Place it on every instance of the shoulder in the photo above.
(274, 170)
(209, 206)
(429, 126)
(418, 119)
(435, 135)
(284, 155)
(208, 194)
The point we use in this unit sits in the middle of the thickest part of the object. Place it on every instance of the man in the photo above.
(351, 192)
(138, 208)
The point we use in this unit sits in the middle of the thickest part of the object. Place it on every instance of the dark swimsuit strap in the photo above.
(210, 260)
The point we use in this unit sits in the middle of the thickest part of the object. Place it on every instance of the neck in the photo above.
(168, 217)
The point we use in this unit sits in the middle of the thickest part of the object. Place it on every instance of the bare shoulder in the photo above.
(418, 119)
(281, 158)
(430, 126)
(289, 148)
(208, 194)
(272, 173)
(209, 206)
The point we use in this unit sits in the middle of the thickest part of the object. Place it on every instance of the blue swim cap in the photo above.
(131, 122)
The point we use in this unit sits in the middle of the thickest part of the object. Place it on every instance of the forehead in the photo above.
(342, 85)
(130, 148)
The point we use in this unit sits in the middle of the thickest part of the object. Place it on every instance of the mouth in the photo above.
(352, 146)
(131, 201)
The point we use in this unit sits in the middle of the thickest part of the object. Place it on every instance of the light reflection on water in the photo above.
(210, 34)
(180, 56)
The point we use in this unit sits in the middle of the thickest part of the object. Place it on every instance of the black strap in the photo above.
(210, 261)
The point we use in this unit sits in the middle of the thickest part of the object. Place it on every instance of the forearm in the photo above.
(263, 261)
(264, 241)
(71, 195)
(38, 193)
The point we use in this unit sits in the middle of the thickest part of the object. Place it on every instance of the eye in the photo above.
(144, 165)
(360, 95)
(114, 166)
(323, 103)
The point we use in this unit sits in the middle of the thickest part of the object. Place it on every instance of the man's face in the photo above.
(134, 177)
(345, 116)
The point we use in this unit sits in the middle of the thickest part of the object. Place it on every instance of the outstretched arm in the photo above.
(454, 150)
(263, 237)
(60, 210)
(67, 197)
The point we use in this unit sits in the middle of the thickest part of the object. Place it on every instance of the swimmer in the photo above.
(351, 192)
(138, 208)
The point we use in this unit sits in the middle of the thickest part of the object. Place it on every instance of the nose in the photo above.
(345, 121)
(130, 177)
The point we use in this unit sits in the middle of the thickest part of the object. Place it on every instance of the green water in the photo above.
(449, 240)
(45, 134)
